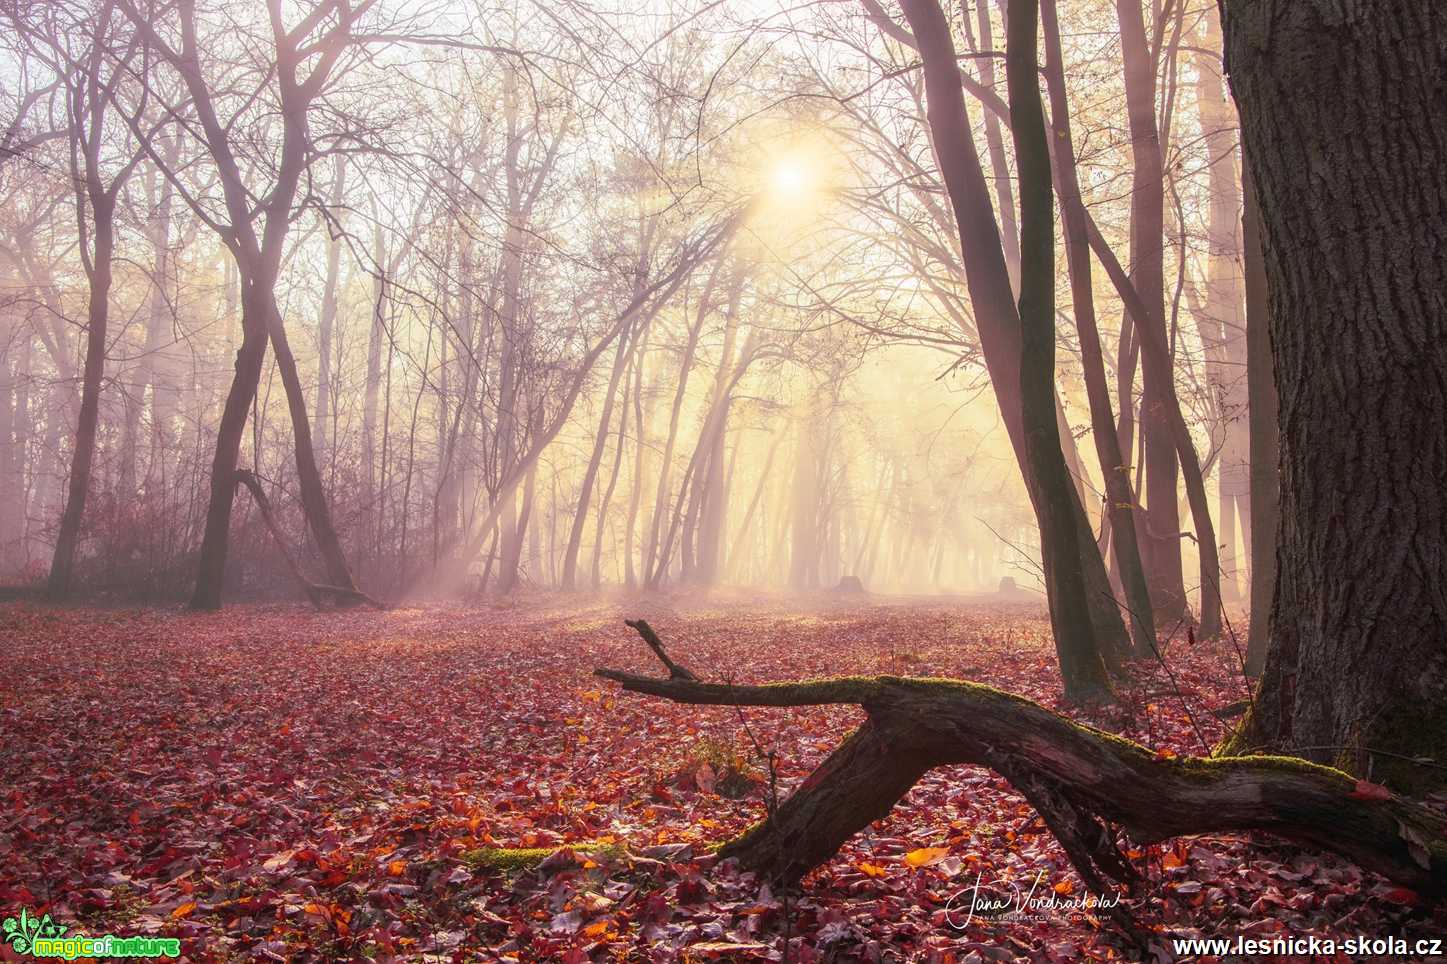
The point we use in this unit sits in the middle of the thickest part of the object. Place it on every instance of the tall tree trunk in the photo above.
(98, 271)
(313, 494)
(663, 499)
(633, 375)
(1080, 663)
(211, 567)
(372, 389)
(1161, 547)
(996, 315)
(595, 460)
(155, 375)
(11, 454)
(514, 533)
(1119, 496)
(328, 318)
(995, 144)
(1346, 143)
(635, 495)
(1226, 360)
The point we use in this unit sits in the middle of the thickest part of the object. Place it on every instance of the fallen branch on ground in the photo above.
(316, 592)
(1087, 784)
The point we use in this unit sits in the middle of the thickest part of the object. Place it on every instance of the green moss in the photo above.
(1386, 752)
(1213, 766)
(515, 859)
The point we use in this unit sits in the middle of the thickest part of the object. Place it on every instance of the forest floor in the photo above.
(273, 783)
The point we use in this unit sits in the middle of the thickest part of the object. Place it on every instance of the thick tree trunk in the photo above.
(211, 567)
(1346, 141)
(1265, 468)
(1085, 783)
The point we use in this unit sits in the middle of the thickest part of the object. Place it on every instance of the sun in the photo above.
(790, 177)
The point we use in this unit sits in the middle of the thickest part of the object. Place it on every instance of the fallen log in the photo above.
(1089, 786)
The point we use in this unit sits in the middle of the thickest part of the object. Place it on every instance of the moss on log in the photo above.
(1088, 785)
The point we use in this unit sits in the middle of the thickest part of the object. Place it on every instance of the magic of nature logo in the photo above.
(39, 936)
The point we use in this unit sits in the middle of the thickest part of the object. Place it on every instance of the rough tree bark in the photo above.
(1088, 785)
(1345, 139)
(1265, 471)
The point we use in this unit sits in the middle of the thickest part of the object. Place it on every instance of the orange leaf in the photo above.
(184, 910)
(277, 861)
(1173, 860)
(597, 930)
(925, 856)
(397, 868)
(1065, 887)
(1366, 790)
(871, 870)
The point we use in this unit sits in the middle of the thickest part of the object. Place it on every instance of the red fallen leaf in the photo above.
(1366, 790)
(1404, 896)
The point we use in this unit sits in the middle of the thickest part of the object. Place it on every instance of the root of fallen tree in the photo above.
(1089, 786)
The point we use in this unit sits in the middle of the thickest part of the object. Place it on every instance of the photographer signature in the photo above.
(997, 900)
